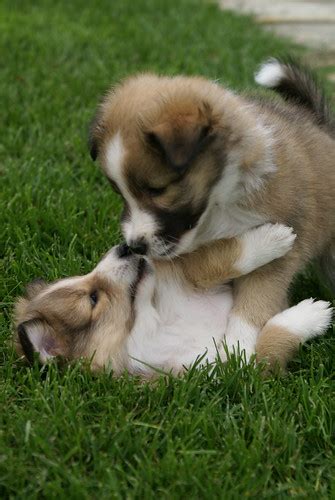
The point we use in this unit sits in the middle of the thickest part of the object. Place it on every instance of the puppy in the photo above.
(139, 315)
(195, 162)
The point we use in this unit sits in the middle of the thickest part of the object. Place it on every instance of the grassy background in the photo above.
(67, 433)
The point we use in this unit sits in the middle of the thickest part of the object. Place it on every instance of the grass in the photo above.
(66, 433)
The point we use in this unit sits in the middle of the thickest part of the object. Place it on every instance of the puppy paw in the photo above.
(307, 319)
(264, 244)
(277, 239)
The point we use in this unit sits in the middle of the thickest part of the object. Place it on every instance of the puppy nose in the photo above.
(139, 246)
(123, 251)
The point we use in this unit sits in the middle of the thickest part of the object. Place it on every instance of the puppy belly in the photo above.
(240, 336)
(193, 329)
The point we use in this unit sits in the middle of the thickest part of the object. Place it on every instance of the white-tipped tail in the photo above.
(270, 73)
(305, 320)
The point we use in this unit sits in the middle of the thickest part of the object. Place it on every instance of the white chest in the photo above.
(226, 222)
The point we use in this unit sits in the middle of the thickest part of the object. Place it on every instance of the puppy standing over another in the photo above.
(195, 162)
(136, 315)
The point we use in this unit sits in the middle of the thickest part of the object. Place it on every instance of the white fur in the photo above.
(270, 74)
(115, 155)
(264, 244)
(307, 319)
(36, 337)
(175, 325)
(182, 327)
(224, 217)
(255, 177)
(219, 221)
(240, 336)
(140, 223)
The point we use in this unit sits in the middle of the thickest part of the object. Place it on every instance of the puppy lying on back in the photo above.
(137, 315)
(195, 162)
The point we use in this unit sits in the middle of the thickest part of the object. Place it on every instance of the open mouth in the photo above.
(141, 268)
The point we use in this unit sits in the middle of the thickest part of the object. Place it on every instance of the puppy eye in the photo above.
(155, 191)
(94, 298)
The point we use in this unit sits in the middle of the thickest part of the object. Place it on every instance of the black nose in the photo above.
(139, 246)
(123, 251)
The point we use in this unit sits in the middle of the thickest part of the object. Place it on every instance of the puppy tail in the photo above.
(297, 84)
(279, 340)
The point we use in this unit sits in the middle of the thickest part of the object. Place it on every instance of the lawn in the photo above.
(66, 433)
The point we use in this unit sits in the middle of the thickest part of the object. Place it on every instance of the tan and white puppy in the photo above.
(195, 162)
(136, 315)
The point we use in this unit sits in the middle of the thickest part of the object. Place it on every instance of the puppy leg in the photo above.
(279, 340)
(258, 297)
(223, 260)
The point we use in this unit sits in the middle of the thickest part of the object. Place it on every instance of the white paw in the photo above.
(264, 244)
(307, 319)
(276, 239)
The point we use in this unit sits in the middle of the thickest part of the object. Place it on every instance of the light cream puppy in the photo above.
(133, 314)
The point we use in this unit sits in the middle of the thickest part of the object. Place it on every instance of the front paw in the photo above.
(265, 244)
(277, 238)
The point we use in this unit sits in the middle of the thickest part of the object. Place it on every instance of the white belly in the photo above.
(188, 326)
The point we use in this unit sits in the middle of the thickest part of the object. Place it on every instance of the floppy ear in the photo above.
(93, 140)
(36, 336)
(181, 138)
(95, 135)
(35, 287)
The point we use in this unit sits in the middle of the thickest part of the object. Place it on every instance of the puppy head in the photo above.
(82, 317)
(164, 144)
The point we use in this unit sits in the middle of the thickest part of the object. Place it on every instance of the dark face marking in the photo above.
(172, 159)
(174, 224)
(175, 199)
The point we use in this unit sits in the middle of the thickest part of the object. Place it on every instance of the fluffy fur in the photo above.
(136, 315)
(195, 162)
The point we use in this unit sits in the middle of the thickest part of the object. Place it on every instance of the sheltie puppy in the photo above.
(132, 313)
(195, 162)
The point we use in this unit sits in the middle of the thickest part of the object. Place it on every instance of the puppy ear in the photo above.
(95, 135)
(182, 137)
(36, 336)
(93, 140)
(34, 288)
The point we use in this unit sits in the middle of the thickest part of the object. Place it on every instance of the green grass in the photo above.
(68, 434)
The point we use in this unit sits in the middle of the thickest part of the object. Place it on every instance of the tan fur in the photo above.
(300, 194)
(61, 311)
(211, 265)
(64, 314)
(276, 346)
(149, 104)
